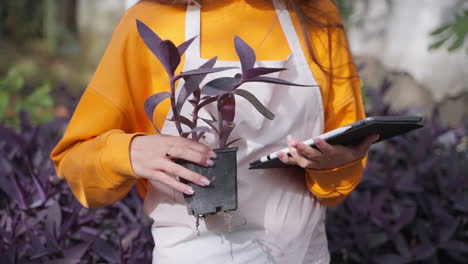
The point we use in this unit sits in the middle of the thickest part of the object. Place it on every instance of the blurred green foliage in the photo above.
(453, 33)
(16, 97)
(50, 21)
(21, 19)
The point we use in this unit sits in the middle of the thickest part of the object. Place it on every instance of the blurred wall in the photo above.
(398, 35)
(96, 22)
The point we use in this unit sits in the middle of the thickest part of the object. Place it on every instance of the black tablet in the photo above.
(385, 126)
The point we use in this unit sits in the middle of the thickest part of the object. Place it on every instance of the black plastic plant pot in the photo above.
(221, 194)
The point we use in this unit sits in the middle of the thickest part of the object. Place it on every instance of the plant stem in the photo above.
(194, 120)
(174, 108)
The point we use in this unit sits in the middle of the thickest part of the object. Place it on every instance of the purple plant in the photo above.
(221, 90)
(41, 221)
(412, 204)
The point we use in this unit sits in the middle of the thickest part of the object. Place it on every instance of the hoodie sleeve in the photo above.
(342, 99)
(93, 155)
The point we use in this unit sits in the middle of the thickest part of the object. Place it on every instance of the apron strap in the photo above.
(290, 32)
(192, 29)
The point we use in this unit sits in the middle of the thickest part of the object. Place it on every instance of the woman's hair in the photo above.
(313, 18)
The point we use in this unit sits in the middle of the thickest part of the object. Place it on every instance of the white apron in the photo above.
(277, 220)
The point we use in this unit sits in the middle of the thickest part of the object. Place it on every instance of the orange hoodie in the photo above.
(93, 155)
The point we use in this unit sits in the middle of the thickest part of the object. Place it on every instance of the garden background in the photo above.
(411, 207)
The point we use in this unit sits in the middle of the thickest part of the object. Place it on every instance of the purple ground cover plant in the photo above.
(41, 221)
(412, 204)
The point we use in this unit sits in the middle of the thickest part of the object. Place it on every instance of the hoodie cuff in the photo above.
(115, 157)
(335, 183)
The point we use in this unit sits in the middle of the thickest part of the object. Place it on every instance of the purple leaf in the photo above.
(448, 231)
(54, 218)
(212, 116)
(226, 130)
(64, 261)
(226, 108)
(390, 259)
(90, 231)
(8, 135)
(151, 39)
(376, 239)
(219, 86)
(255, 102)
(166, 52)
(106, 251)
(201, 71)
(275, 80)
(183, 120)
(254, 72)
(211, 123)
(25, 121)
(456, 245)
(43, 253)
(69, 221)
(6, 186)
(406, 217)
(401, 245)
(19, 194)
(186, 122)
(424, 251)
(245, 53)
(40, 189)
(233, 141)
(192, 83)
(202, 129)
(170, 57)
(152, 102)
(226, 113)
(130, 237)
(410, 188)
(204, 103)
(77, 251)
(183, 47)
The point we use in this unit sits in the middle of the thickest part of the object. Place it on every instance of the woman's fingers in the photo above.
(188, 154)
(326, 156)
(364, 146)
(325, 148)
(186, 143)
(175, 169)
(300, 159)
(308, 151)
(170, 181)
(285, 158)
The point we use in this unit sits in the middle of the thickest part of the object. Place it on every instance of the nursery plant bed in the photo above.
(221, 194)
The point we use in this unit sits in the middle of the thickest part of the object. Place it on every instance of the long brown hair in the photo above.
(315, 19)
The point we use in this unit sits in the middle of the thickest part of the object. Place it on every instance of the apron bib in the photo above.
(278, 220)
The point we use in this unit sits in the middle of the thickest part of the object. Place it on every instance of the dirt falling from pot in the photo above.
(227, 221)
(197, 222)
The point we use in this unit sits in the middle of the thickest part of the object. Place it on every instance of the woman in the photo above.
(109, 145)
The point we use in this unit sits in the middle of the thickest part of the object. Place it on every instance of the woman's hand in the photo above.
(326, 156)
(151, 157)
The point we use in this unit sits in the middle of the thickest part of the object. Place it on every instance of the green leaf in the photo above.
(438, 44)
(3, 104)
(15, 84)
(459, 40)
(441, 29)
